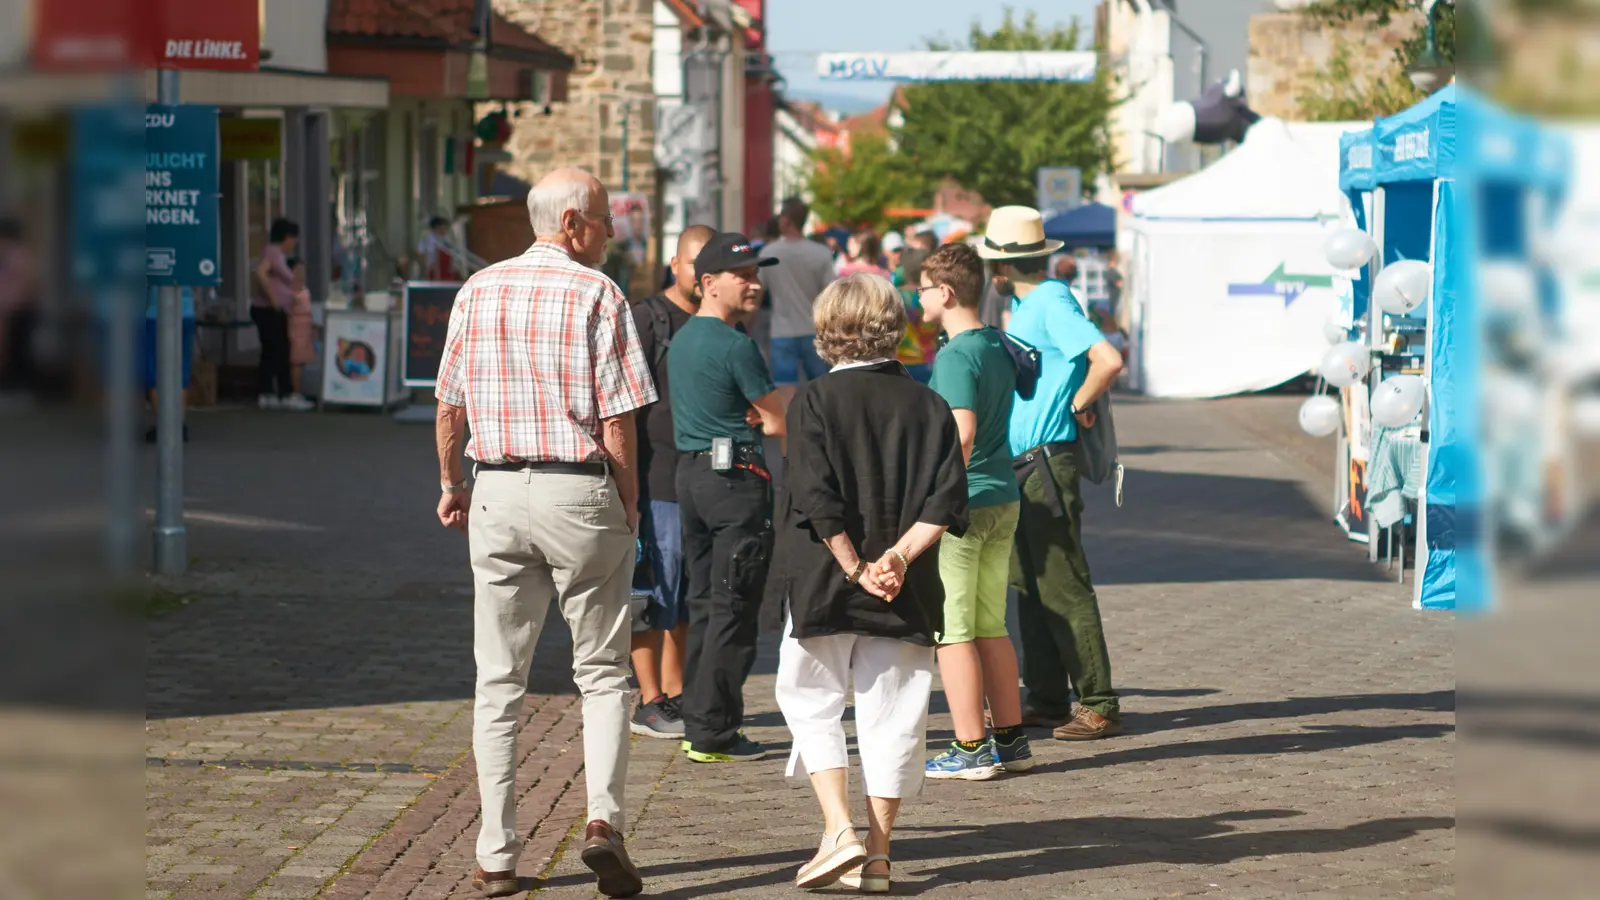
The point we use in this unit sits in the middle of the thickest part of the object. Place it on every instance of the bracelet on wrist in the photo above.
(905, 564)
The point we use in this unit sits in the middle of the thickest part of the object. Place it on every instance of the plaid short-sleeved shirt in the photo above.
(539, 350)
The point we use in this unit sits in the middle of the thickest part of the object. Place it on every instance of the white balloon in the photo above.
(1319, 415)
(1345, 363)
(1396, 400)
(1336, 329)
(1176, 123)
(1349, 248)
(1402, 286)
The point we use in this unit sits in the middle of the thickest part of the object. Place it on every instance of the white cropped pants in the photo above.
(892, 680)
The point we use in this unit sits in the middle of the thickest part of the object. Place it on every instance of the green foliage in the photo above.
(992, 137)
(855, 189)
(1336, 96)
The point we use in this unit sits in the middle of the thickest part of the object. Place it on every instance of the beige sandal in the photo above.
(838, 854)
(874, 884)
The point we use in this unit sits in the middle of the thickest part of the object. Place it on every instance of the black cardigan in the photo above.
(871, 452)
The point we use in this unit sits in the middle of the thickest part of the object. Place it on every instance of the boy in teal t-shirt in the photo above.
(975, 375)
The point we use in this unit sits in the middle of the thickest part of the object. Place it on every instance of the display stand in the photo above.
(425, 308)
(360, 359)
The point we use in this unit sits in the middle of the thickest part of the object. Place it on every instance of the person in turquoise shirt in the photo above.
(1063, 641)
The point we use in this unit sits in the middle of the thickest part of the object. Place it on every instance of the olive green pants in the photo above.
(1063, 642)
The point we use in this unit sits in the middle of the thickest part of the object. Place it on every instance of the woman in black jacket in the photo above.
(874, 477)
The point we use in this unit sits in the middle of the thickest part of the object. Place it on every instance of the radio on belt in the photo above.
(721, 454)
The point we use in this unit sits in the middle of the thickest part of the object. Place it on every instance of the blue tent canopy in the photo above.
(1453, 169)
(1091, 225)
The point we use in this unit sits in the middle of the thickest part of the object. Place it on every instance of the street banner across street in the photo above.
(1070, 66)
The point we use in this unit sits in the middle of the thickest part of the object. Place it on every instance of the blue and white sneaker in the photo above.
(1015, 756)
(967, 765)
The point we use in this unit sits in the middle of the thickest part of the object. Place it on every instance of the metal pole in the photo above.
(171, 538)
(627, 106)
(122, 412)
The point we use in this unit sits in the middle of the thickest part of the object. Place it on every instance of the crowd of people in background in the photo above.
(928, 474)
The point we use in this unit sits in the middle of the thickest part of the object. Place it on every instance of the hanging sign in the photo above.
(987, 65)
(180, 195)
(100, 35)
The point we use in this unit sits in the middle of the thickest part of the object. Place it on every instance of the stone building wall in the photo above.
(1288, 49)
(610, 41)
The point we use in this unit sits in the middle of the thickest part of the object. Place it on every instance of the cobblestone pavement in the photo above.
(1291, 719)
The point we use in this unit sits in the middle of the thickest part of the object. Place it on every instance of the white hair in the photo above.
(551, 198)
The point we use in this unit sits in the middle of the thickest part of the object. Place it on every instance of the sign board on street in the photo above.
(180, 195)
(102, 35)
(426, 307)
(1060, 188)
(108, 231)
(983, 65)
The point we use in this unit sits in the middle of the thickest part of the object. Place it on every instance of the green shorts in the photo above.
(976, 570)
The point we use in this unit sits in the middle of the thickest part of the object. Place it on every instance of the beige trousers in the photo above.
(536, 535)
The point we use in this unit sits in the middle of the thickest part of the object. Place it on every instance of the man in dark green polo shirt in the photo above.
(715, 376)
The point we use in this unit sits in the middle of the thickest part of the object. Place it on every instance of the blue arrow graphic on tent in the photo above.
(1287, 285)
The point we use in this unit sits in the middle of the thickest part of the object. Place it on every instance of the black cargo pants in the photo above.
(727, 542)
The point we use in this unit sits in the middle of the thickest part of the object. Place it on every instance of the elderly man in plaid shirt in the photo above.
(543, 363)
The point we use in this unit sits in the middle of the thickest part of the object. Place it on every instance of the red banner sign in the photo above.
(97, 35)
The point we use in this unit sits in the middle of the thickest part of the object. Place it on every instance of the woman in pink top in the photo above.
(868, 253)
(271, 298)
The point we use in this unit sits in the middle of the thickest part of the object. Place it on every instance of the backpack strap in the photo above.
(660, 330)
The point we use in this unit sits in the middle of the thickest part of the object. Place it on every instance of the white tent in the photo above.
(1229, 285)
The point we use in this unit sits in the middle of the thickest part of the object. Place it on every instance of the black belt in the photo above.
(1037, 460)
(548, 466)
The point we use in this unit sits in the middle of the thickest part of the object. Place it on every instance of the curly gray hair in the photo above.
(858, 318)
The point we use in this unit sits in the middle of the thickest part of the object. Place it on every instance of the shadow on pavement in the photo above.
(1058, 846)
(1315, 739)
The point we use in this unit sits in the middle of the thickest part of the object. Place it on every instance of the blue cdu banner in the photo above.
(180, 195)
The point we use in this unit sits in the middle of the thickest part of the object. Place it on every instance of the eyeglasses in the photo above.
(606, 220)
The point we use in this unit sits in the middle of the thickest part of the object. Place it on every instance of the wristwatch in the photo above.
(853, 577)
(454, 488)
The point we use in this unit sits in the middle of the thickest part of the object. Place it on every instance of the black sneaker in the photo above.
(741, 750)
(658, 719)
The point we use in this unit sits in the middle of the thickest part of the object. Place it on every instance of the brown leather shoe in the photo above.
(494, 884)
(1088, 725)
(604, 854)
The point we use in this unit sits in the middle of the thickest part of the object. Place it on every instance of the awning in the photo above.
(28, 92)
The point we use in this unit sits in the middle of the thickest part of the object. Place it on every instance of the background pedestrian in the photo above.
(542, 364)
(660, 641)
(715, 374)
(1063, 640)
(271, 298)
(864, 598)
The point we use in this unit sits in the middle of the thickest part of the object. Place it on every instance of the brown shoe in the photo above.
(604, 854)
(1032, 718)
(495, 884)
(1088, 725)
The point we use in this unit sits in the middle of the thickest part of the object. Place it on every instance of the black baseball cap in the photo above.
(728, 250)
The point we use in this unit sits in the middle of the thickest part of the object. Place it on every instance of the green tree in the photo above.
(1335, 95)
(992, 137)
(855, 189)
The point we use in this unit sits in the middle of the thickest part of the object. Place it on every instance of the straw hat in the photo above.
(1016, 232)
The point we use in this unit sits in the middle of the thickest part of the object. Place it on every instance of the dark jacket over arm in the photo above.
(871, 452)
